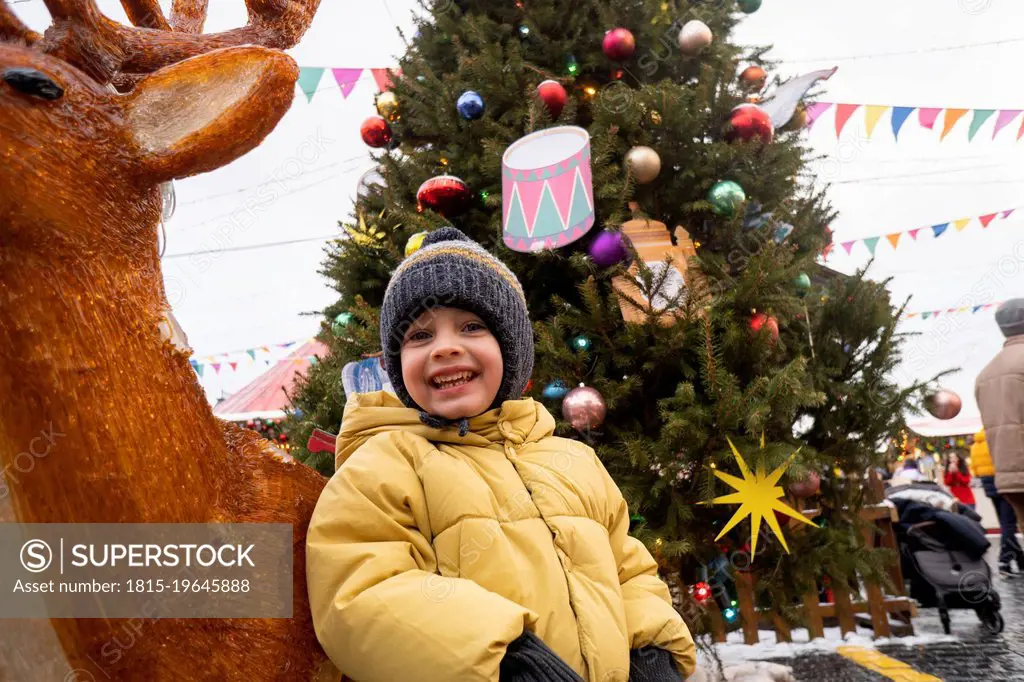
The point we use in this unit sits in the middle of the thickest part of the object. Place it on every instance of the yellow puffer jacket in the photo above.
(428, 553)
(981, 460)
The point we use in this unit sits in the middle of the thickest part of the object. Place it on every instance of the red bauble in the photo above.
(375, 132)
(748, 121)
(754, 77)
(944, 404)
(701, 592)
(283, 437)
(554, 97)
(446, 195)
(760, 321)
(619, 44)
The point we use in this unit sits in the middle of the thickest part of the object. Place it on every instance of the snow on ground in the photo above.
(734, 651)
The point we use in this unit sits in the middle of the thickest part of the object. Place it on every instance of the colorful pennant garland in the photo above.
(927, 117)
(346, 79)
(937, 231)
(230, 359)
(972, 309)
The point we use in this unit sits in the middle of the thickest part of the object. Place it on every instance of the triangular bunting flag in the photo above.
(347, 79)
(216, 367)
(913, 233)
(894, 238)
(986, 219)
(872, 244)
(925, 315)
(234, 366)
(980, 116)
(816, 109)
(848, 246)
(252, 353)
(961, 224)
(909, 315)
(899, 117)
(976, 308)
(199, 369)
(939, 229)
(383, 78)
(1006, 214)
(927, 116)
(268, 362)
(1021, 131)
(265, 349)
(952, 116)
(1004, 119)
(843, 114)
(309, 79)
(872, 113)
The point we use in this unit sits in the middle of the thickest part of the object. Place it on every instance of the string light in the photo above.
(701, 592)
(590, 90)
(730, 615)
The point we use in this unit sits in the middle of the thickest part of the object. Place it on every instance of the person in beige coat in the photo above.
(1000, 393)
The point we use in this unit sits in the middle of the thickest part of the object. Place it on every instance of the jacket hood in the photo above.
(368, 414)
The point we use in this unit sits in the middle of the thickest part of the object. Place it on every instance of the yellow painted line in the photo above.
(883, 665)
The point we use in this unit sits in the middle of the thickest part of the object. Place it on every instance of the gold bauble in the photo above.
(645, 164)
(414, 243)
(655, 118)
(387, 105)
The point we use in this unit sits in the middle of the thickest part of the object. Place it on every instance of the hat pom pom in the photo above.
(445, 234)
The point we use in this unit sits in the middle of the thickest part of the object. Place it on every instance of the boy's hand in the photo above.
(528, 659)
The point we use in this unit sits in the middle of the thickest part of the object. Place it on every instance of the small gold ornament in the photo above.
(363, 235)
(414, 243)
(387, 105)
(655, 117)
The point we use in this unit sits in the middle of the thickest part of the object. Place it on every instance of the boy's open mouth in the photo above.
(454, 380)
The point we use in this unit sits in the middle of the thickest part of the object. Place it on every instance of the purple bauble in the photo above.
(610, 248)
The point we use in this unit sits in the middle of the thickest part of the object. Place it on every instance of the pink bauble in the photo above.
(375, 132)
(554, 97)
(619, 44)
(944, 404)
(807, 487)
(749, 121)
(584, 408)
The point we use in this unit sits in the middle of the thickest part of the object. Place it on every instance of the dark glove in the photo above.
(652, 665)
(528, 659)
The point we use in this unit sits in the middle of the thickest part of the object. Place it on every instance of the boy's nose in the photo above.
(447, 349)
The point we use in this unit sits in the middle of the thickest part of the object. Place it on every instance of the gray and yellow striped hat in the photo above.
(450, 270)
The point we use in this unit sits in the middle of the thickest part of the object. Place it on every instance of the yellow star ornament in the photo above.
(759, 497)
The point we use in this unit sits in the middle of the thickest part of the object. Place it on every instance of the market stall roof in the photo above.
(267, 396)
(959, 426)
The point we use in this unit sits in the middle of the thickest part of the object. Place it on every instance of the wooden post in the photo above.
(876, 606)
(812, 616)
(844, 609)
(782, 633)
(745, 592)
(717, 622)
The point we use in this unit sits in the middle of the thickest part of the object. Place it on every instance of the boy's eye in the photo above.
(475, 326)
(418, 336)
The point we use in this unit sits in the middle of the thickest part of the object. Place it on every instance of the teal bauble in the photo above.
(749, 6)
(802, 283)
(340, 322)
(726, 198)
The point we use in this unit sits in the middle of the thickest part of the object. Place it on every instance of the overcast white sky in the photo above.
(241, 299)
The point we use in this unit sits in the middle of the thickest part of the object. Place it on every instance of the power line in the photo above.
(917, 174)
(252, 247)
(901, 53)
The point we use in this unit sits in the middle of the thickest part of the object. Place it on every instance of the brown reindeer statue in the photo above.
(94, 116)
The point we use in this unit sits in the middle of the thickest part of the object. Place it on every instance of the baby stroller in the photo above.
(942, 553)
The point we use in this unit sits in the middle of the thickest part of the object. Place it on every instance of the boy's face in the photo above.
(451, 363)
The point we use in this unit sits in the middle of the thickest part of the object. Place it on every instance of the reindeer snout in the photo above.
(33, 83)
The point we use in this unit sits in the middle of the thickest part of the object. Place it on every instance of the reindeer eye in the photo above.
(34, 83)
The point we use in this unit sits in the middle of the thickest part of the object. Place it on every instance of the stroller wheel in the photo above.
(944, 617)
(994, 623)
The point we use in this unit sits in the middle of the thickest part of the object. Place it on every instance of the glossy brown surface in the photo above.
(84, 342)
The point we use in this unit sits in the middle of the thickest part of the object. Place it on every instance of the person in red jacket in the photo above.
(958, 480)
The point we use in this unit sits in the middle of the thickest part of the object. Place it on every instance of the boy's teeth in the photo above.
(453, 380)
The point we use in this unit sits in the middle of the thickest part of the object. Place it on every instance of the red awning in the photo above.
(266, 397)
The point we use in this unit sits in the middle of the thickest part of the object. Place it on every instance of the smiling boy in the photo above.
(459, 539)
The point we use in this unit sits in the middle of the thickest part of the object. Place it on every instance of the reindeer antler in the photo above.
(83, 36)
(11, 27)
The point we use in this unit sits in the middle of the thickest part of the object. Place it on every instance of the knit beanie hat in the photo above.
(450, 270)
(1010, 317)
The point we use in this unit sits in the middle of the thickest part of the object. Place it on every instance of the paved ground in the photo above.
(975, 655)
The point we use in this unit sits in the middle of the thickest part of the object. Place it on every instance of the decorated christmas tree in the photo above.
(646, 180)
